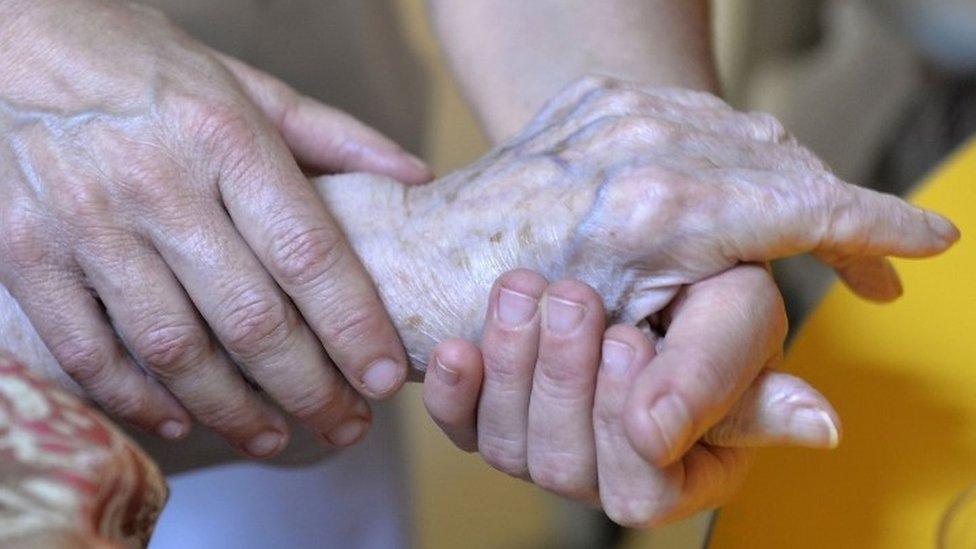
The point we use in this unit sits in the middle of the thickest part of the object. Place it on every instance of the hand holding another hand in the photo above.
(153, 216)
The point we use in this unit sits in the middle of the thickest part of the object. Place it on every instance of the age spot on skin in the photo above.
(496, 238)
(414, 322)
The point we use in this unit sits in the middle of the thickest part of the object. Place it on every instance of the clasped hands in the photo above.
(159, 228)
(622, 204)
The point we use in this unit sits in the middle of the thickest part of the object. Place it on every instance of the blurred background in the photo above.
(880, 89)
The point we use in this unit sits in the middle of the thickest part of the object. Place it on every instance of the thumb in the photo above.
(321, 137)
(778, 409)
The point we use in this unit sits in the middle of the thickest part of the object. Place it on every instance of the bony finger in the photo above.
(778, 410)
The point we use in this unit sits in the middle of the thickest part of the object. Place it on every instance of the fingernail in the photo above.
(616, 357)
(381, 376)
(445, 374)
(673, 422)
(945, 228)
(348, 433)
(562, 316)
(171, 429)
(264, 444)
(814, 427)
(514, 308)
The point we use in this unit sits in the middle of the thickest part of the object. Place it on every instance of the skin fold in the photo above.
(646, 196)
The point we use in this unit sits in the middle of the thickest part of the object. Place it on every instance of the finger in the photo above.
(778, 410)
(74, 328)
(285, 222)
(509, 346)
(824, 215)
(873, 278)
(629, 487)
(451, 389)
(256, 324)
(164, 333)
(723, 331)
(711, 476)
(561, 447)
(323, 138)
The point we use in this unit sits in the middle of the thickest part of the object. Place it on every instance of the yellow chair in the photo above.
(903, 378)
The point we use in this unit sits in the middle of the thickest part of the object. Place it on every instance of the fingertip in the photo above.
(414, 171)
(451, 390)
(384, 377)
(453, 375)
(943, 227)
(455, 359)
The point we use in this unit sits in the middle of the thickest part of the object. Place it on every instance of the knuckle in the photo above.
(837, 203)
(560, 475)
(356, 326)
(126, 404)
(504, 454)
(22, 234)
(82, 198)
(621, 101)
(563, 383)
(768, 128)
(645, 129)
(168, 350)
(323, 400)
(503, 370)
(300, 255)
(713, 379)
(257, 323)
(223, 129)
(649, 200)
(229, 416)
(83, 359)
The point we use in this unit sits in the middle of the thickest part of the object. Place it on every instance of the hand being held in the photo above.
(153, 215)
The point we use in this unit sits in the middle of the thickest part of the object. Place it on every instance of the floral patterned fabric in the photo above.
(68, 476)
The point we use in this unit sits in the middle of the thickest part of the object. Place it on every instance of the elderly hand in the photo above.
(153, 215)
(543, 399)
(636, 193)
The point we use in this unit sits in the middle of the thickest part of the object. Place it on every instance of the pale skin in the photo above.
(535, 48)
(634, 190)
(140, 166)
(649, 210)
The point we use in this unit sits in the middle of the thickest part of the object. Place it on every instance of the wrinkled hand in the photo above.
(68, 477)
(543, 399)
(149, 187)
(638, 193)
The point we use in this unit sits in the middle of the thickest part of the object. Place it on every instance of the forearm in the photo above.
(510, 56)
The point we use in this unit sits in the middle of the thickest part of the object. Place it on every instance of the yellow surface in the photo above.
(903, 378)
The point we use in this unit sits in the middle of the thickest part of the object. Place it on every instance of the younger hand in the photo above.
(545, 398)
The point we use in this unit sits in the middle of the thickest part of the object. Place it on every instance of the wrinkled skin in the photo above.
(142, 166)
(638, 193)
(633, 192)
